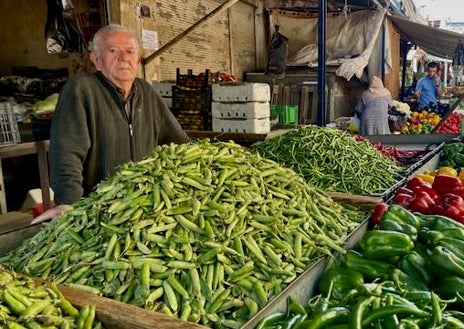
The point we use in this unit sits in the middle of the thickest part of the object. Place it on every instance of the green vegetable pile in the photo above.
(23, 304)
(206, 232)
(391, 279)
(332, 159)
(452, 156)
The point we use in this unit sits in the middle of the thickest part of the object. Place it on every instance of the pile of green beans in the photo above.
(332, 159)
(206, 232)
(23, 304)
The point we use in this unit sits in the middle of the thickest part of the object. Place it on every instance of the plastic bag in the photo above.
(277, 54)
(354, 124)
(62, 29)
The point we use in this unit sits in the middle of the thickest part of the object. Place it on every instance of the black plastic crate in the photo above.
(192, 99)
(41, 127)
(195, 120)
(191, 80)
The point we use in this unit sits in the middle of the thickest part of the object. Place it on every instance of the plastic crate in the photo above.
(193, 81)
(248, 110)
(246, 126)
(289, 114)
(241, 92)
(41, 127)
(9, 132)
(195, 120)
(191, 99)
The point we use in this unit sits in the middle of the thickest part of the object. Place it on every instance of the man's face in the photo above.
(431, 71)
(118, 59)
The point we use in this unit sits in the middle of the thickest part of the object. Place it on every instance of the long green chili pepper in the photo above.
(332, 159)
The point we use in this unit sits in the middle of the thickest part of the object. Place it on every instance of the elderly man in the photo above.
(105, 119)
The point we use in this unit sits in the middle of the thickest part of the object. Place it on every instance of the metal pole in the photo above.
(321, 60)
(404, 50)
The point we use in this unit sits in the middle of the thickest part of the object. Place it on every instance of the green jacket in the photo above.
(91, 134)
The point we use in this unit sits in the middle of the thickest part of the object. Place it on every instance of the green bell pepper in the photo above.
(416, 266)
(407, 282)
(339, 281)
(438, 222)
(450, 287)
(446, 260)
(404, 215)
(369, 268)
(459, 160)
(381, 244)
(450, 150)
(388, 224)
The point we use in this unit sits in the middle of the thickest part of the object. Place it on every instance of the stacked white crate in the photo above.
(241, 107)
(164, 88)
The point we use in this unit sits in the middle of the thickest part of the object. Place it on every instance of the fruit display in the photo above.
(205, 232)
(407, 272)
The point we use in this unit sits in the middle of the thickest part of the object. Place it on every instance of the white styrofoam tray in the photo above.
(250, 126)
(241, 92)
(163, 88)
(248, 110)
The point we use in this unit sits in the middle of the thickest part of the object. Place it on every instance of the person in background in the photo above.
(428, 88)
(105, 119)
(372, 109)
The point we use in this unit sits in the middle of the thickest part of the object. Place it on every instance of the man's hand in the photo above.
(51, 214)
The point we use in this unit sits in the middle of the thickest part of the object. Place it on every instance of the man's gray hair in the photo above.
(97, 38)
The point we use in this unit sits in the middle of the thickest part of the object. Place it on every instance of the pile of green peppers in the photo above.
(408, 272)
(453, 155)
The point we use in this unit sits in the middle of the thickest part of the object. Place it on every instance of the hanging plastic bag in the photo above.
(277, 53)
(62, 31)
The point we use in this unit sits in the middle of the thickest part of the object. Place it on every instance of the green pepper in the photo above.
(459, 160)
(446, 260)
(432, 237)
(404, 215)
(388, 224)
(381, 244)
(331, 316)
(450, 286)
(271, 320)
(452, 244)
(416, 266)
(407, 282)
(339, 281)
(450, 150)
(369, 268)
(294, 308)
(380, 313)
(438, 222)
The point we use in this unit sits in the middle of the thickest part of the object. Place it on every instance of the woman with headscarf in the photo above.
(372, 109)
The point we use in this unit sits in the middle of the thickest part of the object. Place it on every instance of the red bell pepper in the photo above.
(453, 207)
(427, 189)
(445, 183)
(415, 182)
(404, 190)
(422, 203)
(403, 200)
(379, 210)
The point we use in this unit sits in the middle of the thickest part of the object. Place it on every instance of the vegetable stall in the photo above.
(213, 234)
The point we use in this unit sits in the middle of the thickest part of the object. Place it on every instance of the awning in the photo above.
(433, 40)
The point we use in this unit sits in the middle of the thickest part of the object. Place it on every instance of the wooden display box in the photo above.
(113, 314)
